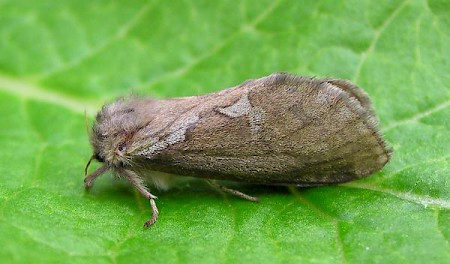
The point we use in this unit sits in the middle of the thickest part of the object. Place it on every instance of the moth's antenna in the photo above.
(86, 122)
(87, 165)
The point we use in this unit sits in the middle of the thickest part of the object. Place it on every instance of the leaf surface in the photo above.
(60, 58)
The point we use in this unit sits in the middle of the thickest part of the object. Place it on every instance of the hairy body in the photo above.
(281, 129)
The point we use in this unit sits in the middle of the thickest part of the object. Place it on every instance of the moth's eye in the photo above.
(100, 159)
(121, 148)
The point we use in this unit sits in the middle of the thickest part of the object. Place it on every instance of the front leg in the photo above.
(90, 178)
(137, 182)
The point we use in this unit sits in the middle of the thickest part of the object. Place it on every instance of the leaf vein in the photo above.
(33, 91)
(120, 34)
(423, 200)
(425, 162)
(319, 211)
(376, 38)
(209, 53)
(418, 116)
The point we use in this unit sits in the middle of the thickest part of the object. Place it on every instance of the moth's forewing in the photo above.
(280, 129)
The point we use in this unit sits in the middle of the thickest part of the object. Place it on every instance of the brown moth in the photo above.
(282, 129)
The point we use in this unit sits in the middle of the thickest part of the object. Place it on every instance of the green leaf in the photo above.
(59, 58)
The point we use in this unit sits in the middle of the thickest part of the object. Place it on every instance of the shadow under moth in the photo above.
(281, 129)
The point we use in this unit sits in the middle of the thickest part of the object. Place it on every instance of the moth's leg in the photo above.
(89, 180)
(231, 191)
(137, 182)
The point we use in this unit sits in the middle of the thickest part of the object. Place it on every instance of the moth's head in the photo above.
(113, 131)
(112, 135)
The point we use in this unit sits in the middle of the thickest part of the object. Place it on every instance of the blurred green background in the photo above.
(60, 58)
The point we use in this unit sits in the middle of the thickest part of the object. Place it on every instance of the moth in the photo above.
(281, 129)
